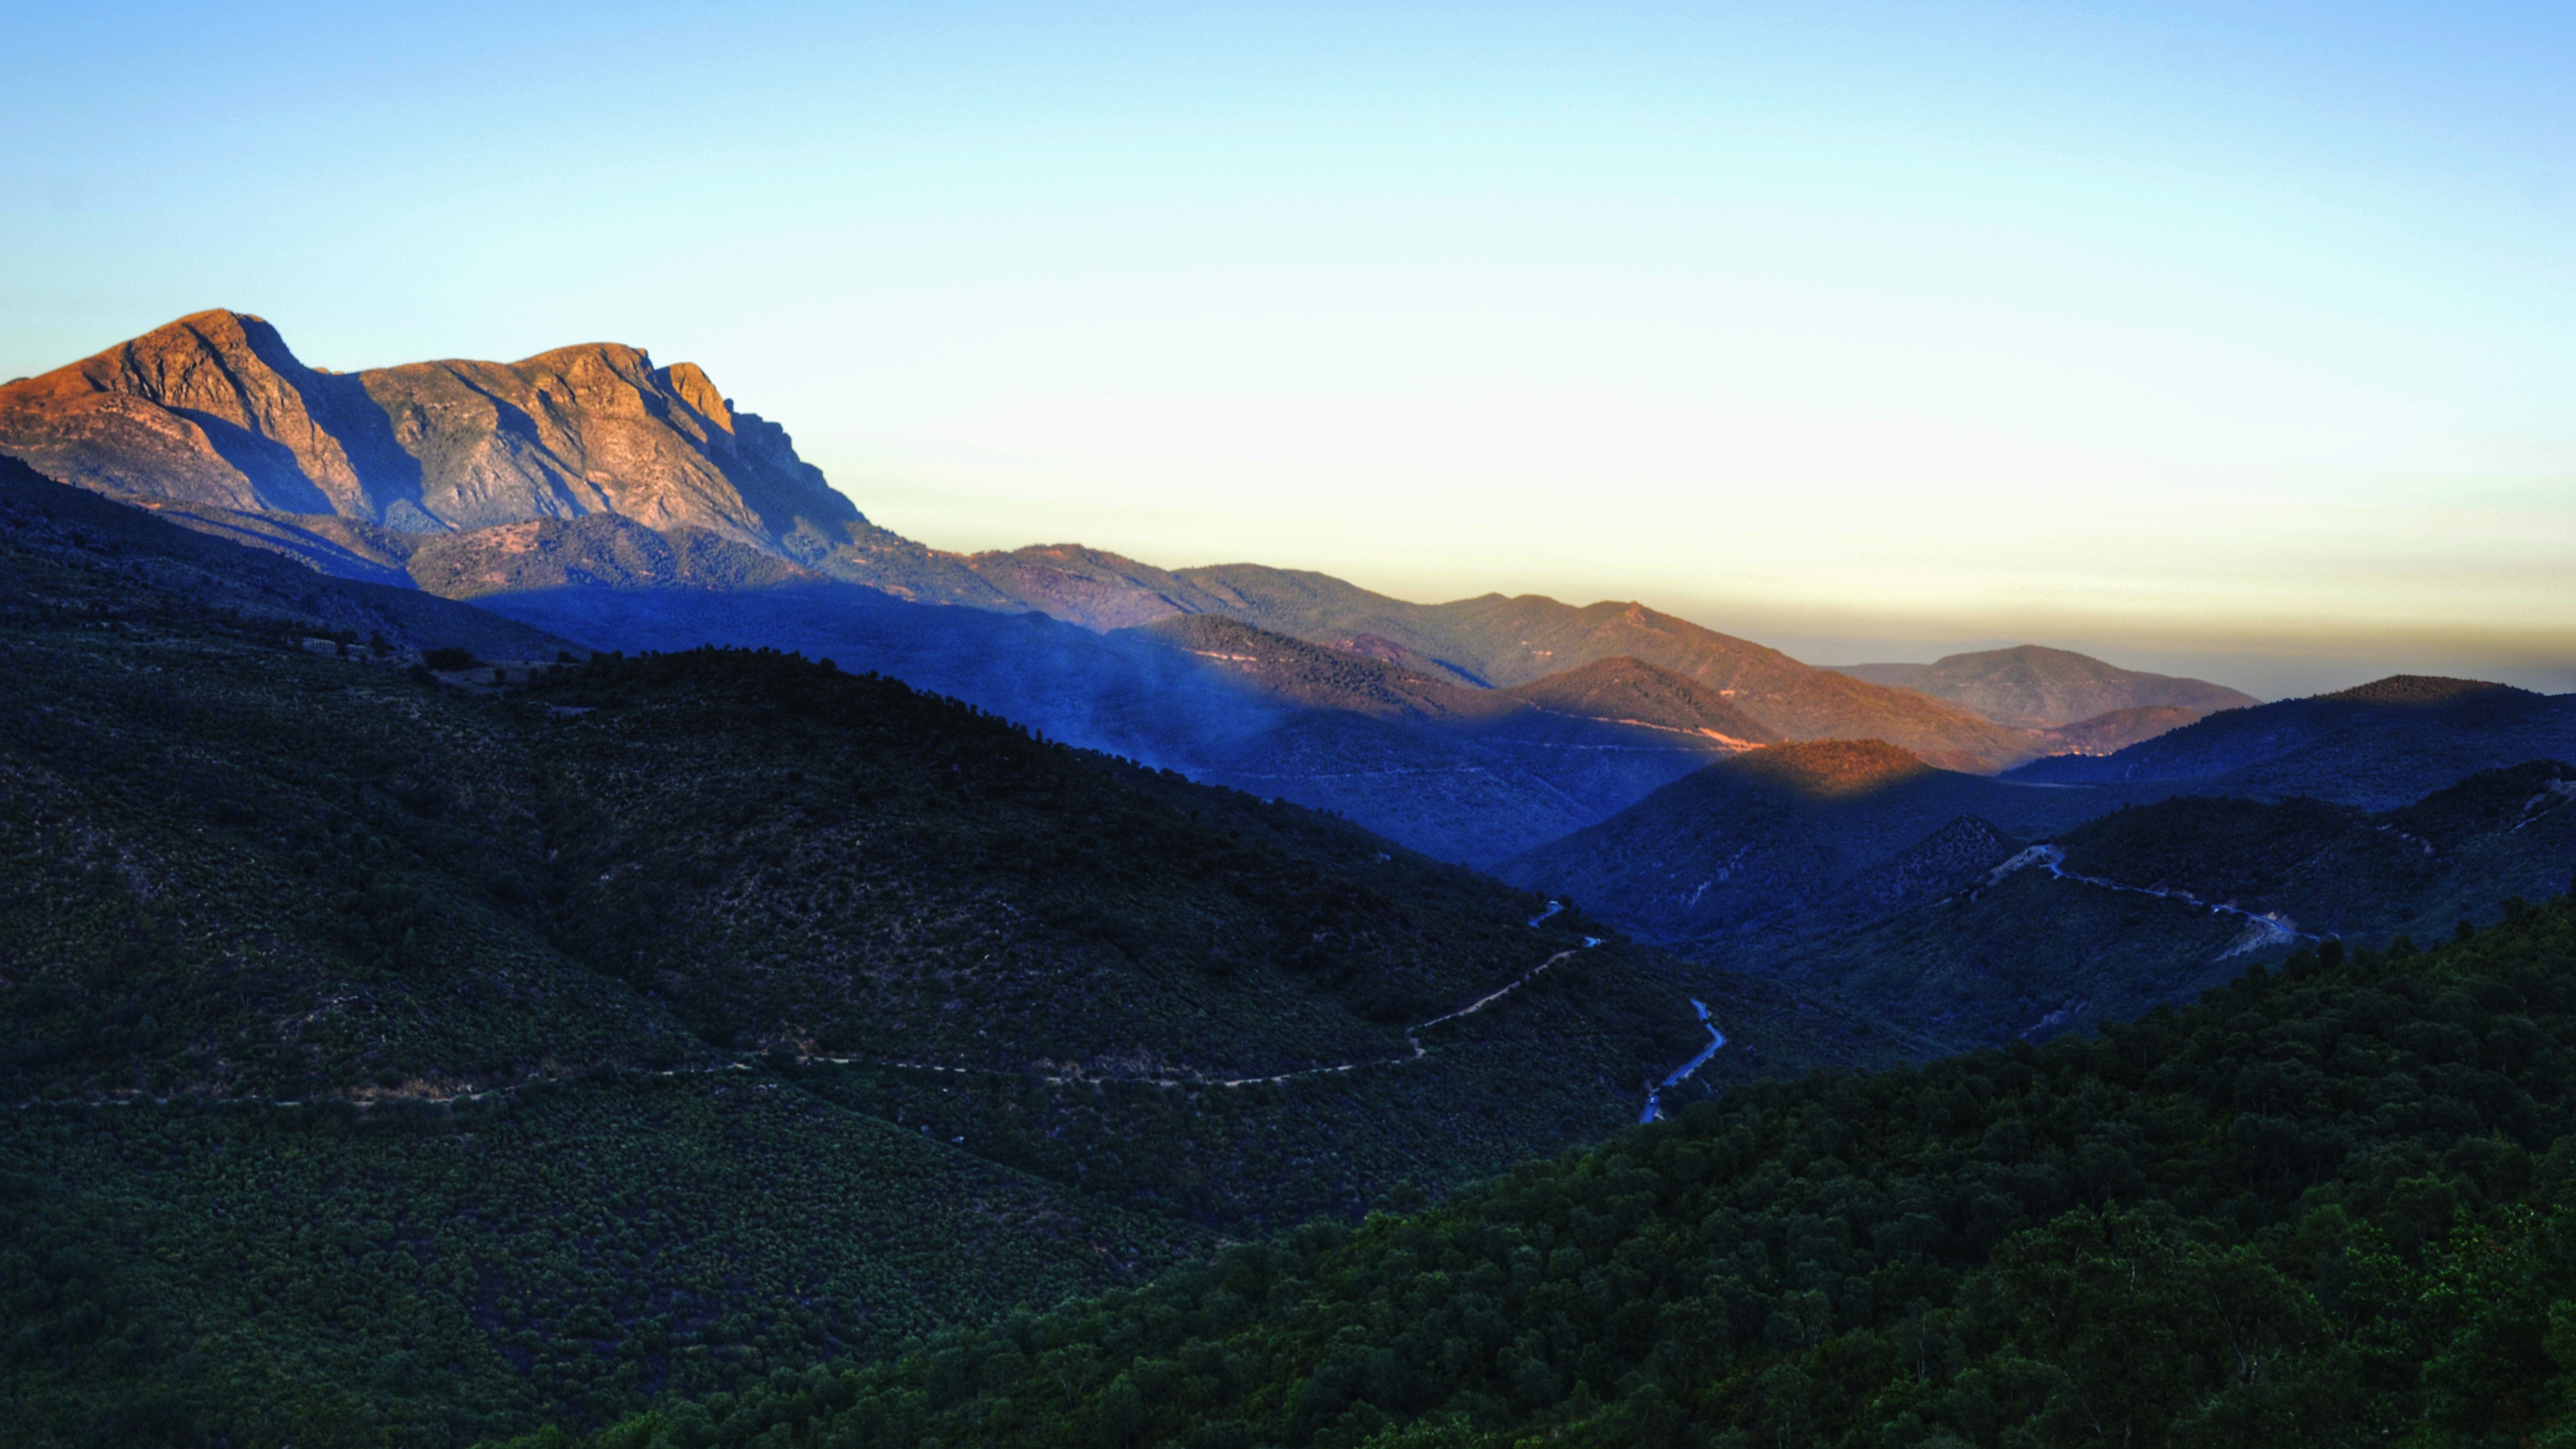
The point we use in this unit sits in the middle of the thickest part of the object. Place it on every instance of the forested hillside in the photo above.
(2324, 1206)
(2157, 902)
(1773, 834)
(418, 1027)
(400, 1047)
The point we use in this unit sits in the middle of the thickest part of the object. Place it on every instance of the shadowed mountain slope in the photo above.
(132, 563)
(1470, 774)
(691, 853)
(2161, 901)
(2377, 746)
(1783, 830)
(1476, 643)
(1465, 774)
(2039, 688)
(2117, 730)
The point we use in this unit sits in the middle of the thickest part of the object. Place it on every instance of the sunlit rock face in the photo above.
(214, 410)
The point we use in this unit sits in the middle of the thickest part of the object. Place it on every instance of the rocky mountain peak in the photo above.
(214, 411)
(690, 383)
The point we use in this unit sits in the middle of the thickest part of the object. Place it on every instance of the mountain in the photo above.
(1312, 676)
(1479, 643)
(2376, 746)
(2319, 1207)
(1633, 692)
(2032, 687)
(2158, 902)
(1464, 773)
(2117, 729)
(1781, 831)
(418, 1055)
(214, 420)
(213, 410)
(1509, 641)
(1973, 910)
(128, 565)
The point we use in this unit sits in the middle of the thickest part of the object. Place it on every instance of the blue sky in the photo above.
(2198, 338)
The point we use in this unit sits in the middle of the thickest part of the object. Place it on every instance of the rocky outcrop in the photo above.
(214, 411)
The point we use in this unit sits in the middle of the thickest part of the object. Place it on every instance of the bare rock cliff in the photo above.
(215, 411)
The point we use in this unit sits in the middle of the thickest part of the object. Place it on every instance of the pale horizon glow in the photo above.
(2218, 343)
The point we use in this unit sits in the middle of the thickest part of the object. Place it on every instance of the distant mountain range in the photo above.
(481, 480)
(2046, 689)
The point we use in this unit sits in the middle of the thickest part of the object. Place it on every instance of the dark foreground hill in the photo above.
(401, 1054)
(2376, 746)
(2326, 1206)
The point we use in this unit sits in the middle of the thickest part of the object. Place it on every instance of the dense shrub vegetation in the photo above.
(239, 1273)
(2325, 1206)
(719, 1049)
(384, 1060)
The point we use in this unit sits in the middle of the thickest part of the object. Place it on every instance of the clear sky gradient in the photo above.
(2237, 343)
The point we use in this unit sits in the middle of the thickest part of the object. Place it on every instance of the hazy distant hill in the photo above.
(1625, 695)
(2039, 688)
(2377, 746)
(1507, 641)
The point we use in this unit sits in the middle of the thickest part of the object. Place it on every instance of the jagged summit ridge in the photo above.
(214, 410)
